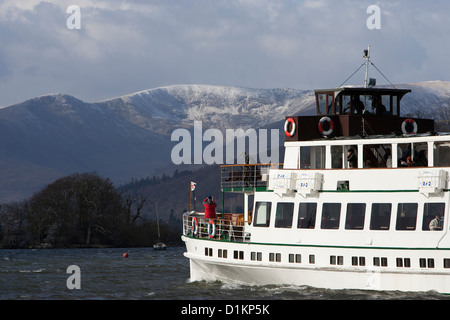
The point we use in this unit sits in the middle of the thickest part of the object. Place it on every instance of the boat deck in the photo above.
(227, 228)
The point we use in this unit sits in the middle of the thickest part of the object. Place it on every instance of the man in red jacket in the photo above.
(210, 208)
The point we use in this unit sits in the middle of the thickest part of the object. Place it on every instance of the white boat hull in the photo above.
(210, 268)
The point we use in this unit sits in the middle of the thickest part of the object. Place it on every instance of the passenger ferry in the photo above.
(360, 202)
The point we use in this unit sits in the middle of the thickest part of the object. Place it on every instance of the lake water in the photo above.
(145, 275)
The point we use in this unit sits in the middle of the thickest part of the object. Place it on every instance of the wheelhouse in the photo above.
(355, 111)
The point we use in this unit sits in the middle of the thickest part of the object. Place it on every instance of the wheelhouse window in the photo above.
(331, 214)
(386, 105)
(262, 214)
(284, 214)
(406, 216)
(306, 215)
(325, 103)
(433, 216)
(353, 104)
(380, 217)
(355, 216)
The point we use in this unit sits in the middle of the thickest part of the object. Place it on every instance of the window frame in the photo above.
(268, 213)
(325, 221)
(349, 225)
(280, 214)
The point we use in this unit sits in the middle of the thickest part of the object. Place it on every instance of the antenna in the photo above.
(367, 57)
(368, 82)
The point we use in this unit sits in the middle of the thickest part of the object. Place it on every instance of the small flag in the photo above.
(193, 184)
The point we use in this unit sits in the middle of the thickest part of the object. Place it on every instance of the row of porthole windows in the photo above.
(380, 215)
(334, 260)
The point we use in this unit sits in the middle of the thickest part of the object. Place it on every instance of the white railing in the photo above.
(227, 229)
(245, 176)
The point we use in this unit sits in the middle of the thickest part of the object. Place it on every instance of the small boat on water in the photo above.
(159, 245)
(360, 202)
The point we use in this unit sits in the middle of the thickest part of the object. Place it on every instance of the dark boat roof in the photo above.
(366, 91)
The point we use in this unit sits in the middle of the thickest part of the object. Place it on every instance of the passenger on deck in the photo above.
(434, 224)
(210, 208)
(352, 159)
(409, 162)
(388, 158)
(421, 160)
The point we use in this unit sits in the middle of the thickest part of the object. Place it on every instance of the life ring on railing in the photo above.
(211, 229)
(194, 226)
(409, 127)
(326, 126)
(286, 126)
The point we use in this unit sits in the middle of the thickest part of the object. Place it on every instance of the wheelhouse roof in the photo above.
(363, 90)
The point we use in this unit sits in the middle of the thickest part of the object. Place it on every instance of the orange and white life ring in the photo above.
(409, 127)
(211, 229)
(194, 226)
(326, 126)
(286, 126)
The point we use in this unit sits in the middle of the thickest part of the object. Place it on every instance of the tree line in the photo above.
(80, 210)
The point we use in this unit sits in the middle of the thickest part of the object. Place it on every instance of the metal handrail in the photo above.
(245, 175)
(197, 226)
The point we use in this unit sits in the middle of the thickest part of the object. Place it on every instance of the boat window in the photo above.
(325, 103)
(262, 214)
(385, 107)
(368, 101)
(406, 216)
(312, 157)
(330, 97)
(344, 156)
(433, 216)
(353, 104)
(322, 103)
(331, 213)
(380, 217)
(394, 110)
(345, 104)
(355, 216)
(377, 156)
(446, 263)
(283, 217)
(412, 154)
(442, 154)
(352, 157)
(336, 157)
(306, 215)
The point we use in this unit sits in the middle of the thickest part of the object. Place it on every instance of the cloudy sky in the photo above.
(125, 46)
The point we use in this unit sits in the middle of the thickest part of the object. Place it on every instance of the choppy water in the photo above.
(145, 274)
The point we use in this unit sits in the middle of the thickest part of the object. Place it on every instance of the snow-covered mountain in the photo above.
(222, 107)
(55, 135)
(429, 99)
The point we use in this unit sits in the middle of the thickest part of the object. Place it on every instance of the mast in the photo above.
(157, 220)
(367, 57)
